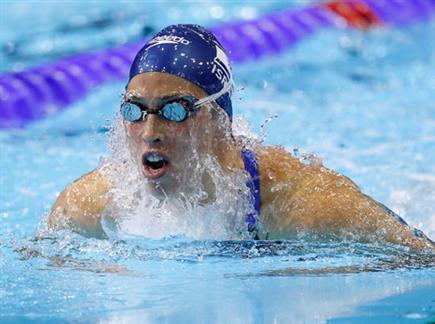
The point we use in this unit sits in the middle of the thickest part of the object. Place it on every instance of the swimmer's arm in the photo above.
(80, 205)
(325, 202)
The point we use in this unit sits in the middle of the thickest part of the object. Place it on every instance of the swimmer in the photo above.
(178, 105)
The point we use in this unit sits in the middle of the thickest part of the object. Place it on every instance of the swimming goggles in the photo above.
(176, 110)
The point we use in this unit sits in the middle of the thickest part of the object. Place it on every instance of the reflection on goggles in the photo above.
(177, 110)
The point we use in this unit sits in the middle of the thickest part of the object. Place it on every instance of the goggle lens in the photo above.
(131, 112)
(174, 111)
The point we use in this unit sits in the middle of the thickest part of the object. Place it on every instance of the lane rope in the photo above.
(39, 92)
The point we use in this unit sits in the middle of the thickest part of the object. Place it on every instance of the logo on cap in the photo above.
(221, 66)
(168, 39)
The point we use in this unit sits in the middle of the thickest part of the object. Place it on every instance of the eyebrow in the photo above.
(138, 99)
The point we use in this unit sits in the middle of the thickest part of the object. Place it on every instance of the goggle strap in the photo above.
(214, 96)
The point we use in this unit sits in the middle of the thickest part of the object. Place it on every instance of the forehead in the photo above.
(156, 85)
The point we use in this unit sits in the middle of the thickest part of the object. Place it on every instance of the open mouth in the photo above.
(155, 165)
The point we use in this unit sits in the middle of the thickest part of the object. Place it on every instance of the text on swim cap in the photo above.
(221, 67)
(169, 39)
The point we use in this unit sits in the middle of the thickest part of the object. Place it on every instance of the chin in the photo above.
(162, 187)
(156, 191)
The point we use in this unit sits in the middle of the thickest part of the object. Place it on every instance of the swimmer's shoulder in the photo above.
(276, 164)
(297, 195)
(280, 170)
(309, 197)
(80, 205)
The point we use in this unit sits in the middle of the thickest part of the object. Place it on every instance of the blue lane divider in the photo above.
(41, 91)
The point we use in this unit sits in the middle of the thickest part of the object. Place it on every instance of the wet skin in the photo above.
(296, 198)
(180, 144)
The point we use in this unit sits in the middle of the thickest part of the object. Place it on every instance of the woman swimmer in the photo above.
(177, 105)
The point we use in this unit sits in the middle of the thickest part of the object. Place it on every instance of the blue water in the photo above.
(361, 102)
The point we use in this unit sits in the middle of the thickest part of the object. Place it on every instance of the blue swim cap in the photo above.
(192, 53)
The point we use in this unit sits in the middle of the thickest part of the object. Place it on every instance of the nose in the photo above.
(152, 130)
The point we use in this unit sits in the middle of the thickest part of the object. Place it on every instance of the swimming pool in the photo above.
(361, 101)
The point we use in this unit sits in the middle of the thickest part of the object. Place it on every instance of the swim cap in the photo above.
(192, 53)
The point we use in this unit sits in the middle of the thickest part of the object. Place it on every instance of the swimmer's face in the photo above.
(167, 152)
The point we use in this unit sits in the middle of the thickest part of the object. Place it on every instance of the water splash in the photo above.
(135, 211)
(268, 120)
(285, 257)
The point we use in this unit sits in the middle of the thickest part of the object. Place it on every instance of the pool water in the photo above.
(362, 102)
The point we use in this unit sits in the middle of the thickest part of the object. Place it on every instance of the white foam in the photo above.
(415, 205)
(134, 210)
